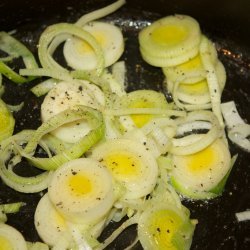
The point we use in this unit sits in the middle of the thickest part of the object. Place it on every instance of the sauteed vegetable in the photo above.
(105, 154)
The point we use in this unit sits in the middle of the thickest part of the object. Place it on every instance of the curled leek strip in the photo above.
(212, 79)
(11, 207)
(97, 14)
(15, 49)
(100, 13)
(95, 120)
(19, 183)
(238, 130)
(61, 28)
(180, 147)
(7, 122)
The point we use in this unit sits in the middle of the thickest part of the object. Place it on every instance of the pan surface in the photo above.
(217, 227)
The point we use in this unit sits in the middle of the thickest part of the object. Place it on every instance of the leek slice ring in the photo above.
(54, 30)
(74, 151)
(166, 49)
(199, 141)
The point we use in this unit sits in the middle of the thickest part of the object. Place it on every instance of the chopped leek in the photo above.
(7, 122)
(15, 49)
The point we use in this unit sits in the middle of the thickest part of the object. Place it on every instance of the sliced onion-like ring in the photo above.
(198, 142)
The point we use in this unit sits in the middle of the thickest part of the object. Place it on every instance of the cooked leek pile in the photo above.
(111, 154)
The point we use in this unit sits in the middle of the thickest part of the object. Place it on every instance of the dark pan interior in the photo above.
(225, 23)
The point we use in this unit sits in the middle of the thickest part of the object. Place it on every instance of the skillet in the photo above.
(226, 22)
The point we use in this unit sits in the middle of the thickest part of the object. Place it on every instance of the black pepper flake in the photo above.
(59, 204)
(158, 229)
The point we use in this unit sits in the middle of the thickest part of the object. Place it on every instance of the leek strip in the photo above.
(119, 73)
(212, 79)
(84, 20)
(7, 122)
(186, 106)
(60, 75)
(195, 125)
(54, 30)
(7, 58)
(19, 183)
(119, 230)
(243, 216)
(12, 75)
(54, 144)
(102, 82)
(22, 184)
(76, 150)
(158, 122)
(97, 14)
(206, 139)
(15, 108)
(44, 87)
(15, 49)
(11, 208)
(238, 130)
(155, 111)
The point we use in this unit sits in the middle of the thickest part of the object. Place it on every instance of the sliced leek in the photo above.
(131, 164)
(75, 150)
(212, 79)
(142, 99)
(66, 95)
(11, 239)
(15, 49)
(202, 171)
(82, 190)
(191, 71)
(54, 30)
(238, 129)
(169, 38)
(164, 226)
(50, 225)
(7, 122)
(79, 55)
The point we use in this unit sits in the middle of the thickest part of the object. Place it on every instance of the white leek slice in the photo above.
(198, 142)
(7, 121)
(164, 226)
(243, 216)
(99, 13)
(192, 70)
(50, 224)
(169, 38)
(65, 95)
(131, 164)
(212, 79)
(193, 96)
(79, 55)
(45, 52)
(142, 99)
(202, 171)
(238, 129)
(82, 190)
(11, 239)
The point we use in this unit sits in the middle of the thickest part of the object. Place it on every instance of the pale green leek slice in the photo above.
(61, 28)
(7, 122)
(15, 49)
(76, 150)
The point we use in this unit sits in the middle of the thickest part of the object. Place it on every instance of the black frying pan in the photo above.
(226, 22)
